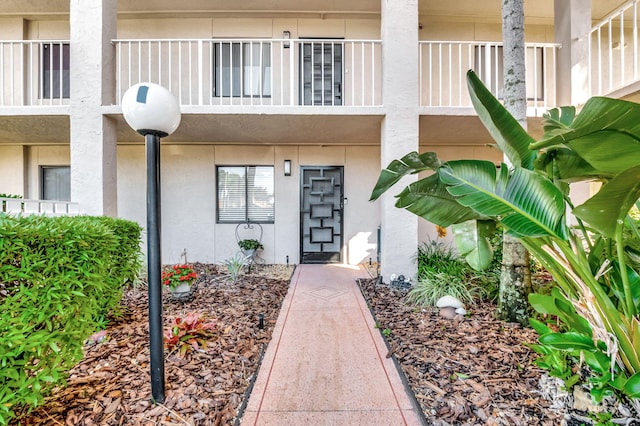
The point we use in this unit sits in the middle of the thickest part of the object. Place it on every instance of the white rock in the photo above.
(449, 302)
(448, 312)
(461, 311)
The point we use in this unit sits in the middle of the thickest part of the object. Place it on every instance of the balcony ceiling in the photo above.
(258, 129)
(457, 9)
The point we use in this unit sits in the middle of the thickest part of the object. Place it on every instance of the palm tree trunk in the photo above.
(515, 278)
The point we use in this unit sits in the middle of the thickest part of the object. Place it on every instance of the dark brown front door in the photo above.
(321, 214)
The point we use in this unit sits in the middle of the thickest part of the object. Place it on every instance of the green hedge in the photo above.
(59, 279)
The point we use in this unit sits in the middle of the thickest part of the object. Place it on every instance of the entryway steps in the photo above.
(326, 363)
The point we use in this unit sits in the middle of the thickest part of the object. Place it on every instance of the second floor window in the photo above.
(242, 69)
(55, 70)
(245, 194)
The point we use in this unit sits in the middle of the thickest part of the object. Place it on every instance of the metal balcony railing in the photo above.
(444, 64)
(34, 73)
(46, 207)
(261, 72)
(614, 51)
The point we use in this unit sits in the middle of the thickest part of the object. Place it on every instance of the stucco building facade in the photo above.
(330, 90)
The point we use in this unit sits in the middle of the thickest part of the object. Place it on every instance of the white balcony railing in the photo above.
(614, 51)
(34, 73)
(444, 64)
(45, 207)
(255, 72)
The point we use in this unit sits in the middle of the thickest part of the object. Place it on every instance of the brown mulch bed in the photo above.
(473, 371)
(469, 371)
(111, 385)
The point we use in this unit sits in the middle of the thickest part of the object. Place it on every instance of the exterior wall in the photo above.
(248, 28)
(43, 156)
(48, 30)
(12, 28)
(12, 165)
(189, 198)
(361, 217)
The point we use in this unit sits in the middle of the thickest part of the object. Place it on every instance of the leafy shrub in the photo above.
(250, 244)
(59, 279)
(433, 285)
(188, 333)
(441, 272)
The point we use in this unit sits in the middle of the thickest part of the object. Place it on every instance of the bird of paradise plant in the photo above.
(598, 293)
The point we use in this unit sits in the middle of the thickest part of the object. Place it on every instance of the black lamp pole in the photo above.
(147, 107)
(154, 266)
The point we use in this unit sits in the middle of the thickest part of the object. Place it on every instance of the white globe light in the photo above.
(151, 109)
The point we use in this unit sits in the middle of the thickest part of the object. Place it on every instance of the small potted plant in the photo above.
(249, 246)
(179, 279)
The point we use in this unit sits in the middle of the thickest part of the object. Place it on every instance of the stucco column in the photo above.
(400, 129)
(572, 23)
(93, 136)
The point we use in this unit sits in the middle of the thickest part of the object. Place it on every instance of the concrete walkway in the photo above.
(326, 363)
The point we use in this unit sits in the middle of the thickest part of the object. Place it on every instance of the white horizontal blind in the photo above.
(232, 194)
(260, 202)
(246, 194)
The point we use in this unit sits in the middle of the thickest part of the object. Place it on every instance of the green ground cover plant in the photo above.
(442, 272)
(60, 279)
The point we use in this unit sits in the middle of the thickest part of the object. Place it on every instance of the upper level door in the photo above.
(321, 73)
(321, 214)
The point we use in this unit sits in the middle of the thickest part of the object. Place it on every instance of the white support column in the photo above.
(572, 25)
(400, 130)
(93, 136)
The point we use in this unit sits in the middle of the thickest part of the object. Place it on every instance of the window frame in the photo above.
(230, 77)
(42, 169)
(247, 218)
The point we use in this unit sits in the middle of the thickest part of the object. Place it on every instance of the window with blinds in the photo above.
(246, 194)
(242, 69)
(55, 183)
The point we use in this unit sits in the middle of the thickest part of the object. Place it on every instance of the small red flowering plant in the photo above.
(178, 274)
(189, 333)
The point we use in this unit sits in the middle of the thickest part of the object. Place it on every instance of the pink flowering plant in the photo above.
(178, 274)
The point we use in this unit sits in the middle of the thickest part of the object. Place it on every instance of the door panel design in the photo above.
(321, 214)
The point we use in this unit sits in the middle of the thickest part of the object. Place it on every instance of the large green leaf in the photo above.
(564, 164)
(509, 135)
(617, 284)
(607, 210)
(472, 242)
(569, 341)
(632, 386)
(556, 304)
(409, 164)
(557, 120)
(526, 203)
(606, 134)
(429, 199)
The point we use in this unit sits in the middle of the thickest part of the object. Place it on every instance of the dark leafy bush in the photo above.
(59, 279)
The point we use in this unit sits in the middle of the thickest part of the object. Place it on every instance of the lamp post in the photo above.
(153, 111)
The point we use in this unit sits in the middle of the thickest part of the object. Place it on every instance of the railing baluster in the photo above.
(200, 69)
(362, 61)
